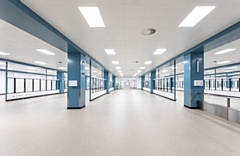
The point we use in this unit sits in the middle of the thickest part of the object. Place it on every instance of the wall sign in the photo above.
(198, 83)
(73, 83)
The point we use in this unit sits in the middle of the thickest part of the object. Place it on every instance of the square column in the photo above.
(106, 77)
(193, 78)
(76, 81)
(152, 81)
(60, 77)
(142, 82)
(114, 81)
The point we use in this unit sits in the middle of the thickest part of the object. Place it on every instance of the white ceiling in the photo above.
(22, 47)
(234, 56)
(125, 19)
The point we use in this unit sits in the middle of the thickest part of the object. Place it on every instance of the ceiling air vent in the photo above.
(148, 31)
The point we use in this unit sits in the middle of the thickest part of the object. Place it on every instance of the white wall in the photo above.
(2, 82)
(19, 87)
(129, 79)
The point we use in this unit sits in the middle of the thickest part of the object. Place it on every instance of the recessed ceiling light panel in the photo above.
(41, 63)
(3, 53)
(148, 62)
(110, 51)
(197, 14)
(93, 16)
(223, 62)
(44, 51)
(159, 51)
(142, 67)
(224, 51)
(115, 62)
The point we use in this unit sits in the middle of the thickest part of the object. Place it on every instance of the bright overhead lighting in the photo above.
(139, 71)
(93, 16)
(164, 71)
(223, 62)
(142, 67)
(41, 63)
(115, 62)
(5, 68)
(45, 51)
(30, 71)
(118, 67)
(100, 73)
(233, 67)
(119, 71)
(49, 71)
(224, 51)
(148, 62)
(94, 71)
(197, 14)
(63, 68)
(31, 68)
(173, 67)
(3, 53)
(159, 51)
(86, 67)
(110, 51)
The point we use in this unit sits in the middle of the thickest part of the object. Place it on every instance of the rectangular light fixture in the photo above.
(119, 71)
(159, 51)
(164, 71)
(142, 67)
(224, 51)
(86, 67)
(233, 67)
(93, 16)
(115, 62)
(3, 53)
(139, 71)
(118, 67)
(110, 51)
(173, 67)
(197, 14)
(44, 51)
(63, 68)
(223, 62)
(148, 62)
(39, 62)
(31, 68)
(94, 71)
(5, 68)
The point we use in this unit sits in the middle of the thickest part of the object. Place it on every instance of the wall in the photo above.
(2, 82)
(129, 79)
(19, 75)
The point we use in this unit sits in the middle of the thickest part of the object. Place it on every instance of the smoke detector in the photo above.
(148, 31)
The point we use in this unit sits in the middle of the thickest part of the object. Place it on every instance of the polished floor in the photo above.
(123, 123)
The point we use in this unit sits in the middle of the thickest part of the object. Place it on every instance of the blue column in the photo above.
(6, 81)
(114, 81)
(152, 80)
(193, 70)
(142, 82)
(90, 80)
(76, 73)
(60, 77)
(175, 81)
(106, 77)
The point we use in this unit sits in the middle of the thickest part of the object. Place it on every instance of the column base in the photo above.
(75, 107)
(191, 107)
